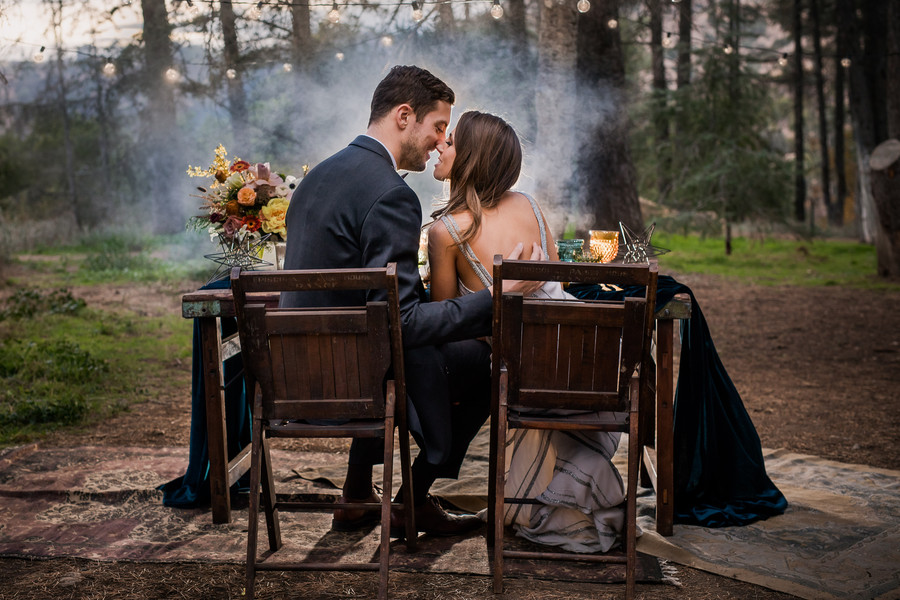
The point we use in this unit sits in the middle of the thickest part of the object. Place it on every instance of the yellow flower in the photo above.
(273, 215)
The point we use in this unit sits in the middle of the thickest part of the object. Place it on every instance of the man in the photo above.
(354, 210)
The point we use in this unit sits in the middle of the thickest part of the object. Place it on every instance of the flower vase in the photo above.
(274, 256)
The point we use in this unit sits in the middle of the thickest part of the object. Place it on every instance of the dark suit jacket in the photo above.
(354, 210)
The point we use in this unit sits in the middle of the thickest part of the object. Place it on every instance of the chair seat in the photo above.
(605, 421)
(351, 428)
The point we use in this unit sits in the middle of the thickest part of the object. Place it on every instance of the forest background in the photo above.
(701, 115)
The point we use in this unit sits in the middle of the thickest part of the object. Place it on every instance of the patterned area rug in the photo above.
(839, 538)
(101, 504)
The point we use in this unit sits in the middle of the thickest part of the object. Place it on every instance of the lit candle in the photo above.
(604, 244)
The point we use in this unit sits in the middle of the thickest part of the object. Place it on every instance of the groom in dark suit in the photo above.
(354, 210)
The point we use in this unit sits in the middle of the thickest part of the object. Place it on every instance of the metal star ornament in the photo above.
(243, 253)
(637, 248)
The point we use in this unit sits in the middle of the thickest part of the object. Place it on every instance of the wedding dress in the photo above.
(571, 474)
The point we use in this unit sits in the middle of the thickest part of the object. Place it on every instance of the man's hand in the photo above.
(525, 287)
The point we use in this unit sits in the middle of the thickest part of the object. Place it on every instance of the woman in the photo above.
(581, 491)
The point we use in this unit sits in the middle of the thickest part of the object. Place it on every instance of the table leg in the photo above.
(665, 392)
(211, 343)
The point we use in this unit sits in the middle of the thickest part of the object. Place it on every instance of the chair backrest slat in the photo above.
(319, 363)
(567, 353)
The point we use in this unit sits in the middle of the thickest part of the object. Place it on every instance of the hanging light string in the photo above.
(255, 10)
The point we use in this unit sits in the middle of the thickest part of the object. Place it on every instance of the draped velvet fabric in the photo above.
(720, 476)
(192, 488)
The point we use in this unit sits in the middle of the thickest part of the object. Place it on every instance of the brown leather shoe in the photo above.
(351, 519)
(434, 520)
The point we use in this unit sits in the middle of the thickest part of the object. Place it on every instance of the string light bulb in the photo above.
(612, 24)
(254, 12)
(846, 62)
(172, 74)
(39, 55)
(339, 56)
(334, 15)
(288, 67)
(496, 10)
(583, 6)
(230, 73)
(387, 41)
(783, 60)
(417, 13)
(109, 69)
(668, 42)
(193, 10)
(728, 49)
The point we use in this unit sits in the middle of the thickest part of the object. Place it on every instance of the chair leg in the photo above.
(406, 483)
(634, 461)
(387, 479)
(497, 501)
(253, 511)
(273, 524)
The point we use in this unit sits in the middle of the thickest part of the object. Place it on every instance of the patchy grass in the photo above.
(776, 261)
(65, 363)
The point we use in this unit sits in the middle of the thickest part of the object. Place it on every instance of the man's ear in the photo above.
(404, 114)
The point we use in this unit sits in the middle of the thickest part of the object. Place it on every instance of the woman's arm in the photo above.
(442, 253)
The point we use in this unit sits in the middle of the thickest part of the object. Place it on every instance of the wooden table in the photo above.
(660, 461)
(208, 306)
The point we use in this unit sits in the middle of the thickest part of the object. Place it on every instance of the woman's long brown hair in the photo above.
(487, 164)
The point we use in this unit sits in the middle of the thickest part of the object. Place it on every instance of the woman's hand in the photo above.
(524, 286)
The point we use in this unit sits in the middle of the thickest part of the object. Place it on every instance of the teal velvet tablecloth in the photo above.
(192, 489)
(720, 475)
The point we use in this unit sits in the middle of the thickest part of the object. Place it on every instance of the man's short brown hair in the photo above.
(409, 85)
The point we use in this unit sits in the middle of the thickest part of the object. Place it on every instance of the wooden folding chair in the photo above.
(321, 372)
(584, 357)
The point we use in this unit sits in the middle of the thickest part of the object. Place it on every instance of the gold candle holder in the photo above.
(604, 244)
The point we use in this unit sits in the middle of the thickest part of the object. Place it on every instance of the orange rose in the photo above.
(246, 196)
(232, 208)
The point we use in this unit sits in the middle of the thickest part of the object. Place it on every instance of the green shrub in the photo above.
(46, 382)
(28, 302)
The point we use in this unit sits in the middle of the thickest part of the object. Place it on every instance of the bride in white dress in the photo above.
(580, 490)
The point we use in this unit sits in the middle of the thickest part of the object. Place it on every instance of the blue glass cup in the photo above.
(569, 250)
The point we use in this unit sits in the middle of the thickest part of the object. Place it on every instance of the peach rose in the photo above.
(246, 196)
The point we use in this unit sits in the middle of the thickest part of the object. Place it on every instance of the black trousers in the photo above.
(449, 388)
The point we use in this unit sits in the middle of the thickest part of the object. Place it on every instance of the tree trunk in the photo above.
(685, 26)
(885, 161)
(608, 183)
(799, 169)
(840, 168)
(522, 67)
(734, 72)
(862, 106)
(159, 122)
(72, 197)
(557, 117)
(660, 94)
(830, 207)
(885, 165)
(445, 17)
(237, 98)
(301, 37)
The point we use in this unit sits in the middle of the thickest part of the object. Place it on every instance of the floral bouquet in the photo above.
(245, 204)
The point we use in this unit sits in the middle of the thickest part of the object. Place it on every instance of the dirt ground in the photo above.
(817, 369)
